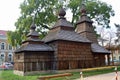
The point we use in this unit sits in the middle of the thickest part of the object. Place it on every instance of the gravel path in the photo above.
(109, 76)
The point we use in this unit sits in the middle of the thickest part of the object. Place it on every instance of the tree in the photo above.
(98, 11)
(102, 36)
(107, 37)
(118, 34)
(44, 12)
(14, 38)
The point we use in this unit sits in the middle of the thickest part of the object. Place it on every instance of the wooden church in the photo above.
(63, 48)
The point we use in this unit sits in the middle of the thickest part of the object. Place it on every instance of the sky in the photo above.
(10, 12)
(115, 19)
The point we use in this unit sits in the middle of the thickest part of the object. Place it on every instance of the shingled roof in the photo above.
(33, 43)
(62, 22)
(32, 31)
(84, 17)
(3, 32)
(34, 47)
(64, 34)
(96, 48)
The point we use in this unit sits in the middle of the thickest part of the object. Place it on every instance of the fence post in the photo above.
(116, 77)
(81, 76)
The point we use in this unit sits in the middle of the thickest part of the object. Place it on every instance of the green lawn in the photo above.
(8, 74)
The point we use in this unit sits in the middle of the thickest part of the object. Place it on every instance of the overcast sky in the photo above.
(9, 12)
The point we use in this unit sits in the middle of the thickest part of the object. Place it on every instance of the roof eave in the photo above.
(34, 51)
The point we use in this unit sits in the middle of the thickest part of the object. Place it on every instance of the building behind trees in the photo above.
(6, 50)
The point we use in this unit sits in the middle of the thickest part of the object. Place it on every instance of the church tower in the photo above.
(84, 26)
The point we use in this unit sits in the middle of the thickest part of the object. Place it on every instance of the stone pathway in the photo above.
(109, 76)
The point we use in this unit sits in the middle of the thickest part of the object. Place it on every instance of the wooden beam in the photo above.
(54, 76)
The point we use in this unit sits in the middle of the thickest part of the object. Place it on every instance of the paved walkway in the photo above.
(109, 76)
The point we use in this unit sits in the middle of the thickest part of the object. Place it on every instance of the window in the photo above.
(10, 57)
(2, 56)
(114, 58)
(2, 46)
(10, 47)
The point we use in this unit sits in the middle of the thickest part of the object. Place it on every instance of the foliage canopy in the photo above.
(45, 11)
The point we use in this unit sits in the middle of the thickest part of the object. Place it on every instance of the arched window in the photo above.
(2, 46)
(2, 56)
(10, 57)
(9, 47)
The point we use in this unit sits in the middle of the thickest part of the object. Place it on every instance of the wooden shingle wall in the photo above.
(36, 61)
(73, 55)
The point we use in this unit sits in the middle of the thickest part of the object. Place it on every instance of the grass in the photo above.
(87, 73)
(8, 74)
